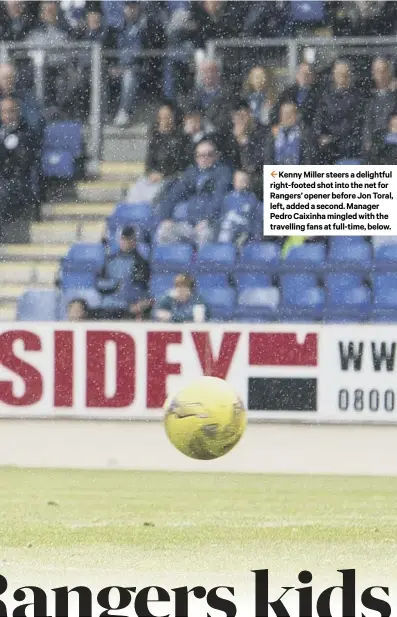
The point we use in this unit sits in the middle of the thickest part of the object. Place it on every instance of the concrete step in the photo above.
(34, 252)
(56, 232)
(28, 272)
(8, 310)
(103, 190)
(92, 211)
(116, 170)
(11, 292)
(124, 149)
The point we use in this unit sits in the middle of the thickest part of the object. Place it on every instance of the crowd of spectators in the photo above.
(206, 152)
(209, 139)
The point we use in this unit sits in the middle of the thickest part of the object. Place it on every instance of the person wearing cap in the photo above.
(124, 279)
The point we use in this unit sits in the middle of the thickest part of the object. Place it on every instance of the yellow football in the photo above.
(205, 419)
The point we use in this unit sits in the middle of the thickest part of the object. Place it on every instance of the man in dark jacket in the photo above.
(16, 148)
(290, 145)
(338, 121)
(304, 93)
(124, 279)
(381, 104)
(191, 207)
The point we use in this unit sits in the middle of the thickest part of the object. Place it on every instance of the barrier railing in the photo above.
(291, 51)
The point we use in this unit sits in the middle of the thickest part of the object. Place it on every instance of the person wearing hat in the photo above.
(124, 279)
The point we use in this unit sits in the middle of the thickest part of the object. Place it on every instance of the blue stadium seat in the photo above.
(222, 303)
(348, 162)
(302, 304)
(64, 136)
(307, 11)
(311, 256)
(384, 282)
(58, 164)
(91, 296)
(385, 302)
(355, 303)
(81, 265)
(258, 305)
(38, 305)
(62, 146)
(139, 215)
(259, 257)
(113, 13)
(292, 284)
(349, 254)
(342, 280)
(214, 257)
(255, 279)
(211, 281)
(386, 258)
(160, 284)
(172, 258)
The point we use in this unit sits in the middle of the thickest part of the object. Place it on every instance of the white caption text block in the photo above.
(330, 200)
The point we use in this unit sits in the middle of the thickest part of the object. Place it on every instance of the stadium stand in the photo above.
(248, 117)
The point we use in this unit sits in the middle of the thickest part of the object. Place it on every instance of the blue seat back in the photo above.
(160, 284)
(304, 11)
(211, 281)
(38, 305)
(172, 258)
(64, 136)
(254, 279)
(84, 256)
(58, 164)
(305, 257)
(216, 257)
(222, 303)
(259, 257)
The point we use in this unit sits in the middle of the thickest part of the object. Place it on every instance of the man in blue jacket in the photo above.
(191, 208)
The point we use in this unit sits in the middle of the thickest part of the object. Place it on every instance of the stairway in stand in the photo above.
(35, 265)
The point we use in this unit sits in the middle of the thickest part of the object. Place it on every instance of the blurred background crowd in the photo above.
(214, 121)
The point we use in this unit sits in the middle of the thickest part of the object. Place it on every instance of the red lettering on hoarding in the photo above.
(30, 375)
(215, 367)
(158, 368)
(282, 349)
(63, 372)
(96, 369)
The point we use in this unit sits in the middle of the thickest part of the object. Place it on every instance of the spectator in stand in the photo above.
(216, 19)
(304, 93)
(358, 18)
(78, 310)
(51, 32)
(386, 143)
(180, 31)
(14, 24)
(267, 19)
(30, 108)
(211, 97)
(381, 104)
(75, 93)
(241, 218)
(124, 279)
(339, 115)
(258, 91)
(131, 41)
(166, 156)
(191, 207)
(182, 303)
(248, 144)
(290, 145)
(194, 131)
(16, 160)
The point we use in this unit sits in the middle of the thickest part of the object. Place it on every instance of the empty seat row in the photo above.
(258, 304)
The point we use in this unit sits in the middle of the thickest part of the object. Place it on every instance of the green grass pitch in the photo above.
(110, 522)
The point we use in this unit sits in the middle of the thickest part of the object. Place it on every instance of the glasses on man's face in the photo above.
(206, 154)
